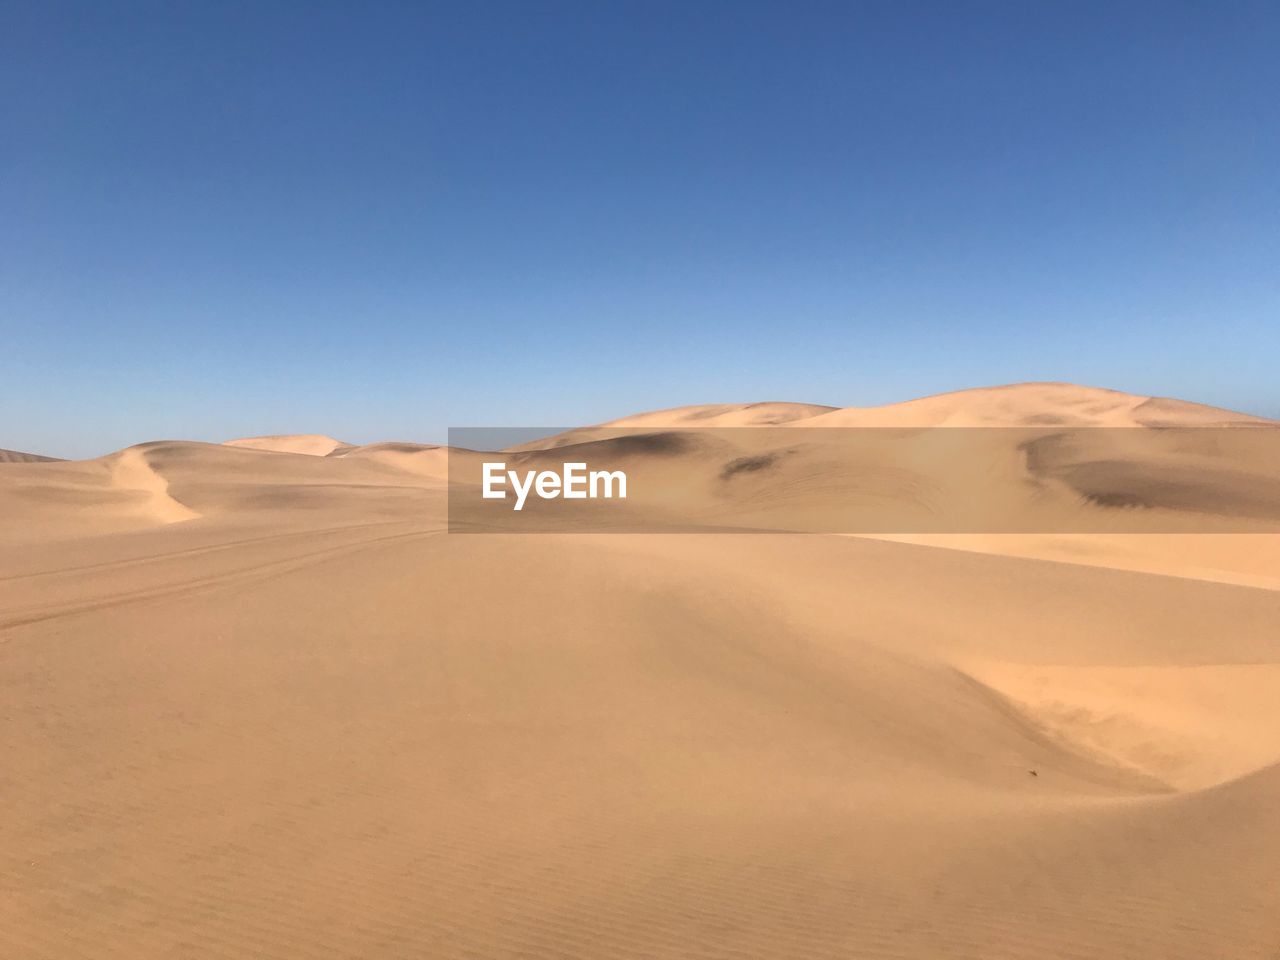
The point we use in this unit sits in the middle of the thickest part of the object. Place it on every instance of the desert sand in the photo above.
(15, 456)
(257, 701)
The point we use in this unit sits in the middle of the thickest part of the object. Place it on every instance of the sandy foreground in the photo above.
(257, 702)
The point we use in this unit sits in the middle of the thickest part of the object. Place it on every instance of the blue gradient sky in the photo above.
(379, 219)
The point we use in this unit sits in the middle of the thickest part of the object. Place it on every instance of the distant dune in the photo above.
(1020, 405)
(13, 456)
(725, 415)
(1035, 404)
(311, 444)
(258, 702)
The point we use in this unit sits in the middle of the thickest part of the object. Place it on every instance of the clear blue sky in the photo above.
(380, 219)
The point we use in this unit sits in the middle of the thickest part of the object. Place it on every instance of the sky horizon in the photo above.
(378, 221)
(524, 431)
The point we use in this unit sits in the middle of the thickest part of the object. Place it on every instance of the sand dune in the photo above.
(1189, 726)
(259, 702)
(724, 415)
(694, 417)
(1034, 404)
(1019, 404)
(132, 469)
(313, 444)
(13, 456)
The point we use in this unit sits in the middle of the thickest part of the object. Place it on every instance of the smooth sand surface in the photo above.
(256, 702)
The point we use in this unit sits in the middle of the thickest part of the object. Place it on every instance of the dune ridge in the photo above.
(311, 444)
(14, 456)
(1036, 404)
(133, 471)
(1017, 404)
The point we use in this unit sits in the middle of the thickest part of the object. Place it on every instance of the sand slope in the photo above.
(260, 704)
(312, 444)
(13, 456)
(1034, 404)
(1018, 404)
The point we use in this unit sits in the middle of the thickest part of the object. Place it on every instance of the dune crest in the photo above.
(768, 413)
(15, 456)
(132, 471)
(310, 444)
(1191, 727)
(1033, 404)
